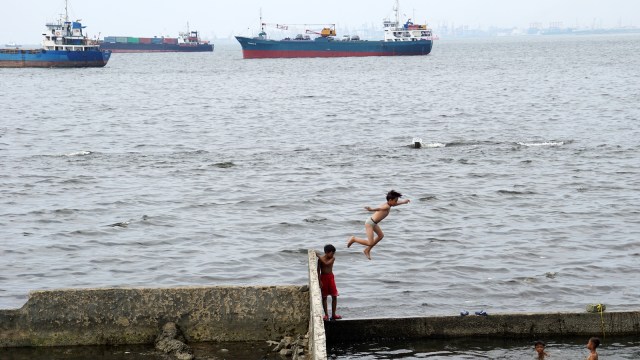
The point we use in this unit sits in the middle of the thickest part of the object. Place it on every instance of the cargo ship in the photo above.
(63, 45)
(186, 42)
(405, 39)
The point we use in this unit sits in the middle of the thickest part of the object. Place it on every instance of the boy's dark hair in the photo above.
(329, 248)
(539, 342)
(595, 341)
(393, 195)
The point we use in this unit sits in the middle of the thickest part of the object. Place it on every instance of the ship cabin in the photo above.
(66, 36)
(190, 38)
(407, 32)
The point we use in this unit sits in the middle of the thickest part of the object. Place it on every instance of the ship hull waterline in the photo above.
(266, 49)
(53, 59)
(144, 48)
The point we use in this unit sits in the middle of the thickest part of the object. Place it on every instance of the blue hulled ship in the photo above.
(63, 45)
(406, 39)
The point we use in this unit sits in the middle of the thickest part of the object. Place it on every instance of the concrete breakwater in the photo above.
(514, 326)
(260, 313)
(136, 316)
(317, 335)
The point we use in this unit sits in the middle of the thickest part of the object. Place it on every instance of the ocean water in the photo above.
(467, 349)
(164, 170)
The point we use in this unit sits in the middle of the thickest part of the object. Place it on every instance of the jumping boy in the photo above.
(327, 281)
(592, 345)
(371, 224)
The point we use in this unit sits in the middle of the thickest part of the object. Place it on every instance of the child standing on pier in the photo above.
(371, 225)
(327, 281)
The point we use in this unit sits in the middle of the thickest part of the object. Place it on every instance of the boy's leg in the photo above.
(334, 305)
(324, 306)
(366, 242)
(370, 231)
(378, 231)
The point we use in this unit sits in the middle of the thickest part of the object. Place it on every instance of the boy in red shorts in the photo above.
(327, 281)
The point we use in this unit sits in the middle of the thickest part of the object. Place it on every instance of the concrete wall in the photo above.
(317, 340)
(256, 313)
(501, 326)
(135, 316)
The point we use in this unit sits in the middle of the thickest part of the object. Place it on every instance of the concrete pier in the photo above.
(259, 313)
(498, 326)
(135, 316)
(317, 337)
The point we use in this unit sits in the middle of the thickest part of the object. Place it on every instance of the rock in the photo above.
(288, 341)
(171, 346)
(170, 331)
(171, 342)
(280, 346)
(294, 347)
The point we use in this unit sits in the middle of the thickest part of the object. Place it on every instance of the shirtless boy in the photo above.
(592, 345)
(327, 281)
(539, 346)
(371, 225)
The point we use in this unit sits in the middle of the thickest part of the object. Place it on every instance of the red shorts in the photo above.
(328, 287)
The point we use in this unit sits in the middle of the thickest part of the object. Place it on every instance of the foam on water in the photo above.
(546, 143)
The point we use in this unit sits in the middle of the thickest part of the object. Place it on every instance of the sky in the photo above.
(22, 21)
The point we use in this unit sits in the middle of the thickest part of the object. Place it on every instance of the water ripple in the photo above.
(524, 193)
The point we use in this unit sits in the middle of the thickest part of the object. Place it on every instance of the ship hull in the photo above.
(142, 48)
(53, 58)
(254, 48)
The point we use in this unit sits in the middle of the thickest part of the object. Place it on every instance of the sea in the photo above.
(166, 170)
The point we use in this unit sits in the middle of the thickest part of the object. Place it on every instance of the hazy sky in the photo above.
(22, 21)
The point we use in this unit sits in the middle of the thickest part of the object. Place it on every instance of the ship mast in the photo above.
(262, 34)
(397, 10)
(66, 10)
(261, 23)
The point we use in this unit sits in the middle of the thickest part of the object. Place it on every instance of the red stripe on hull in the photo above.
(145, 51)
(266, 54)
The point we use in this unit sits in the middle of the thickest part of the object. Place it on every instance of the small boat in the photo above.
(406, 39)
(63, 45)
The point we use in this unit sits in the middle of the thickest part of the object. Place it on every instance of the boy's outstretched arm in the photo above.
(381, 208)
(405, 201)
